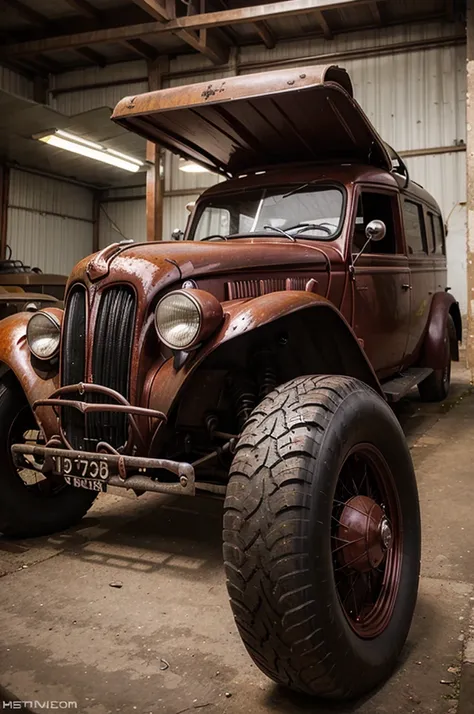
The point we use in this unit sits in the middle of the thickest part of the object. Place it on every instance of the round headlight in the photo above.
(43, 334)
(184, 318)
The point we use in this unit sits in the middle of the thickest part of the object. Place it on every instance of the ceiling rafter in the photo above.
(165, 12)
(27, 13)
(327, 32)
(92, 56)
(193, 24)
(376, 14)
(141, 48)
(85, 8)
(265, 34)
(36, 18)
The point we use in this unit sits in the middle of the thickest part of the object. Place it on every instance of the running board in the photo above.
(398, 387)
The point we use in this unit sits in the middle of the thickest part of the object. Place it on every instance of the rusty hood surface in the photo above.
(248, 122)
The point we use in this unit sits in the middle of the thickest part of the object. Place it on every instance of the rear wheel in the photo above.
(31, 504)
(322, 537)
(435, 388)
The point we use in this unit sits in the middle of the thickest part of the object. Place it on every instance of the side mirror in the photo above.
(374, 231)
(177, 234)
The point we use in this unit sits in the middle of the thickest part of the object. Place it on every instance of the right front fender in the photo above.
(15, 356)
(244, 317)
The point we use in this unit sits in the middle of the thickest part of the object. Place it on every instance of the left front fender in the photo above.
(15, 356)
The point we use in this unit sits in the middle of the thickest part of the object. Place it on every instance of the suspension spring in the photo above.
(244, 398)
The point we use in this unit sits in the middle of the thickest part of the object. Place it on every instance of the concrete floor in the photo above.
(165, 641)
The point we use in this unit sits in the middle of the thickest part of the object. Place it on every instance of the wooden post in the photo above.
(154, 177)
(4, 192)
(470, 186)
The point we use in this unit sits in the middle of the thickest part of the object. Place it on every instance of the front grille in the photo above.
(110, 364)
(111, 360)
(74, 360)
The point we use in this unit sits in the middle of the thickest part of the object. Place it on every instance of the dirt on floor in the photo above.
(129, 612)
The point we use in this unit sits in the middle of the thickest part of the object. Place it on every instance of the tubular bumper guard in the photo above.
(123, 470)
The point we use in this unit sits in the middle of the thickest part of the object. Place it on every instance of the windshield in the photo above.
(304, 211)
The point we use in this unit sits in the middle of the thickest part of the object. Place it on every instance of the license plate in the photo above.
(91, 474)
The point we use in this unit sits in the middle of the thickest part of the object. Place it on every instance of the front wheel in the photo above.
(30, 504)
(322, 537)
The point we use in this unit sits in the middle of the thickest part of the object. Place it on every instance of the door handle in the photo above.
(406, 286)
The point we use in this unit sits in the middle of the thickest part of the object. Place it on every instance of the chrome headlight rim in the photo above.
(192, 343)
(54, 321)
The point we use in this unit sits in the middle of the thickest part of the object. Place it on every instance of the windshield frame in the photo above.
(293, 186)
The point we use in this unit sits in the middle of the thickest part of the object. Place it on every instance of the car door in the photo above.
(381, 282)
(421, 265)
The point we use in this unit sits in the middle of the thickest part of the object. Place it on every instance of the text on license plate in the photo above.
(90, 484)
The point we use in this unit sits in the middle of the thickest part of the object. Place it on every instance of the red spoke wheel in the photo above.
(367, 541)
(322, 537)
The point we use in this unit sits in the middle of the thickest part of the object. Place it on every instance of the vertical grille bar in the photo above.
(74, 360)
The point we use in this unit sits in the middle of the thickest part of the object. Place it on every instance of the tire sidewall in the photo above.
(24, 512)
(363, 417)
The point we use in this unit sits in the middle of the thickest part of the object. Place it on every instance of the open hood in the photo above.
(248, 122)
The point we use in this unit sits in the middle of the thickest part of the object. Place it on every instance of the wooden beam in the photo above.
(85, 8)
(27, 13)
(255, 13)
(92, 56)
(141, 48)
(265, 34)
(210, 48)
(154, 154)
(155, 8)
(375, 10)
(327, 32)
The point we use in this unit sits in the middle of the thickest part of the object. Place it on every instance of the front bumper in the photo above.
(106, 466)
(132, 472)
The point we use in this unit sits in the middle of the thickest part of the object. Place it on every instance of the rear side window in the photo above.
(414, 228)
(438, 234)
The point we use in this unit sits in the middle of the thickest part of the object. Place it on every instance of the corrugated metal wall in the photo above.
(49, 222)
(122, 219)
(15, 83)
(76, 101)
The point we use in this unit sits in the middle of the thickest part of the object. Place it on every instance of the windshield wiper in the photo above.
(302, 227)
(281, 231)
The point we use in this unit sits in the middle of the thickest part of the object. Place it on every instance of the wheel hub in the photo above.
(366, 532)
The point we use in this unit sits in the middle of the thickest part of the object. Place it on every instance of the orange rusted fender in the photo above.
(243, 316)
(15, 354)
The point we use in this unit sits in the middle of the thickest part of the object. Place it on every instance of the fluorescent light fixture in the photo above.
(191, 168)
(69, 142)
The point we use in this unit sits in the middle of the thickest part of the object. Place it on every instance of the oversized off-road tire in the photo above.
(30, 505)
(322, 537)
(435, 388)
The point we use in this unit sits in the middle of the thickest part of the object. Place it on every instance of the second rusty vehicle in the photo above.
(254, 360)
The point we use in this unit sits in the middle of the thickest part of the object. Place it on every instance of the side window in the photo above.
(414, 228)
(438, 233)
(375, 206)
